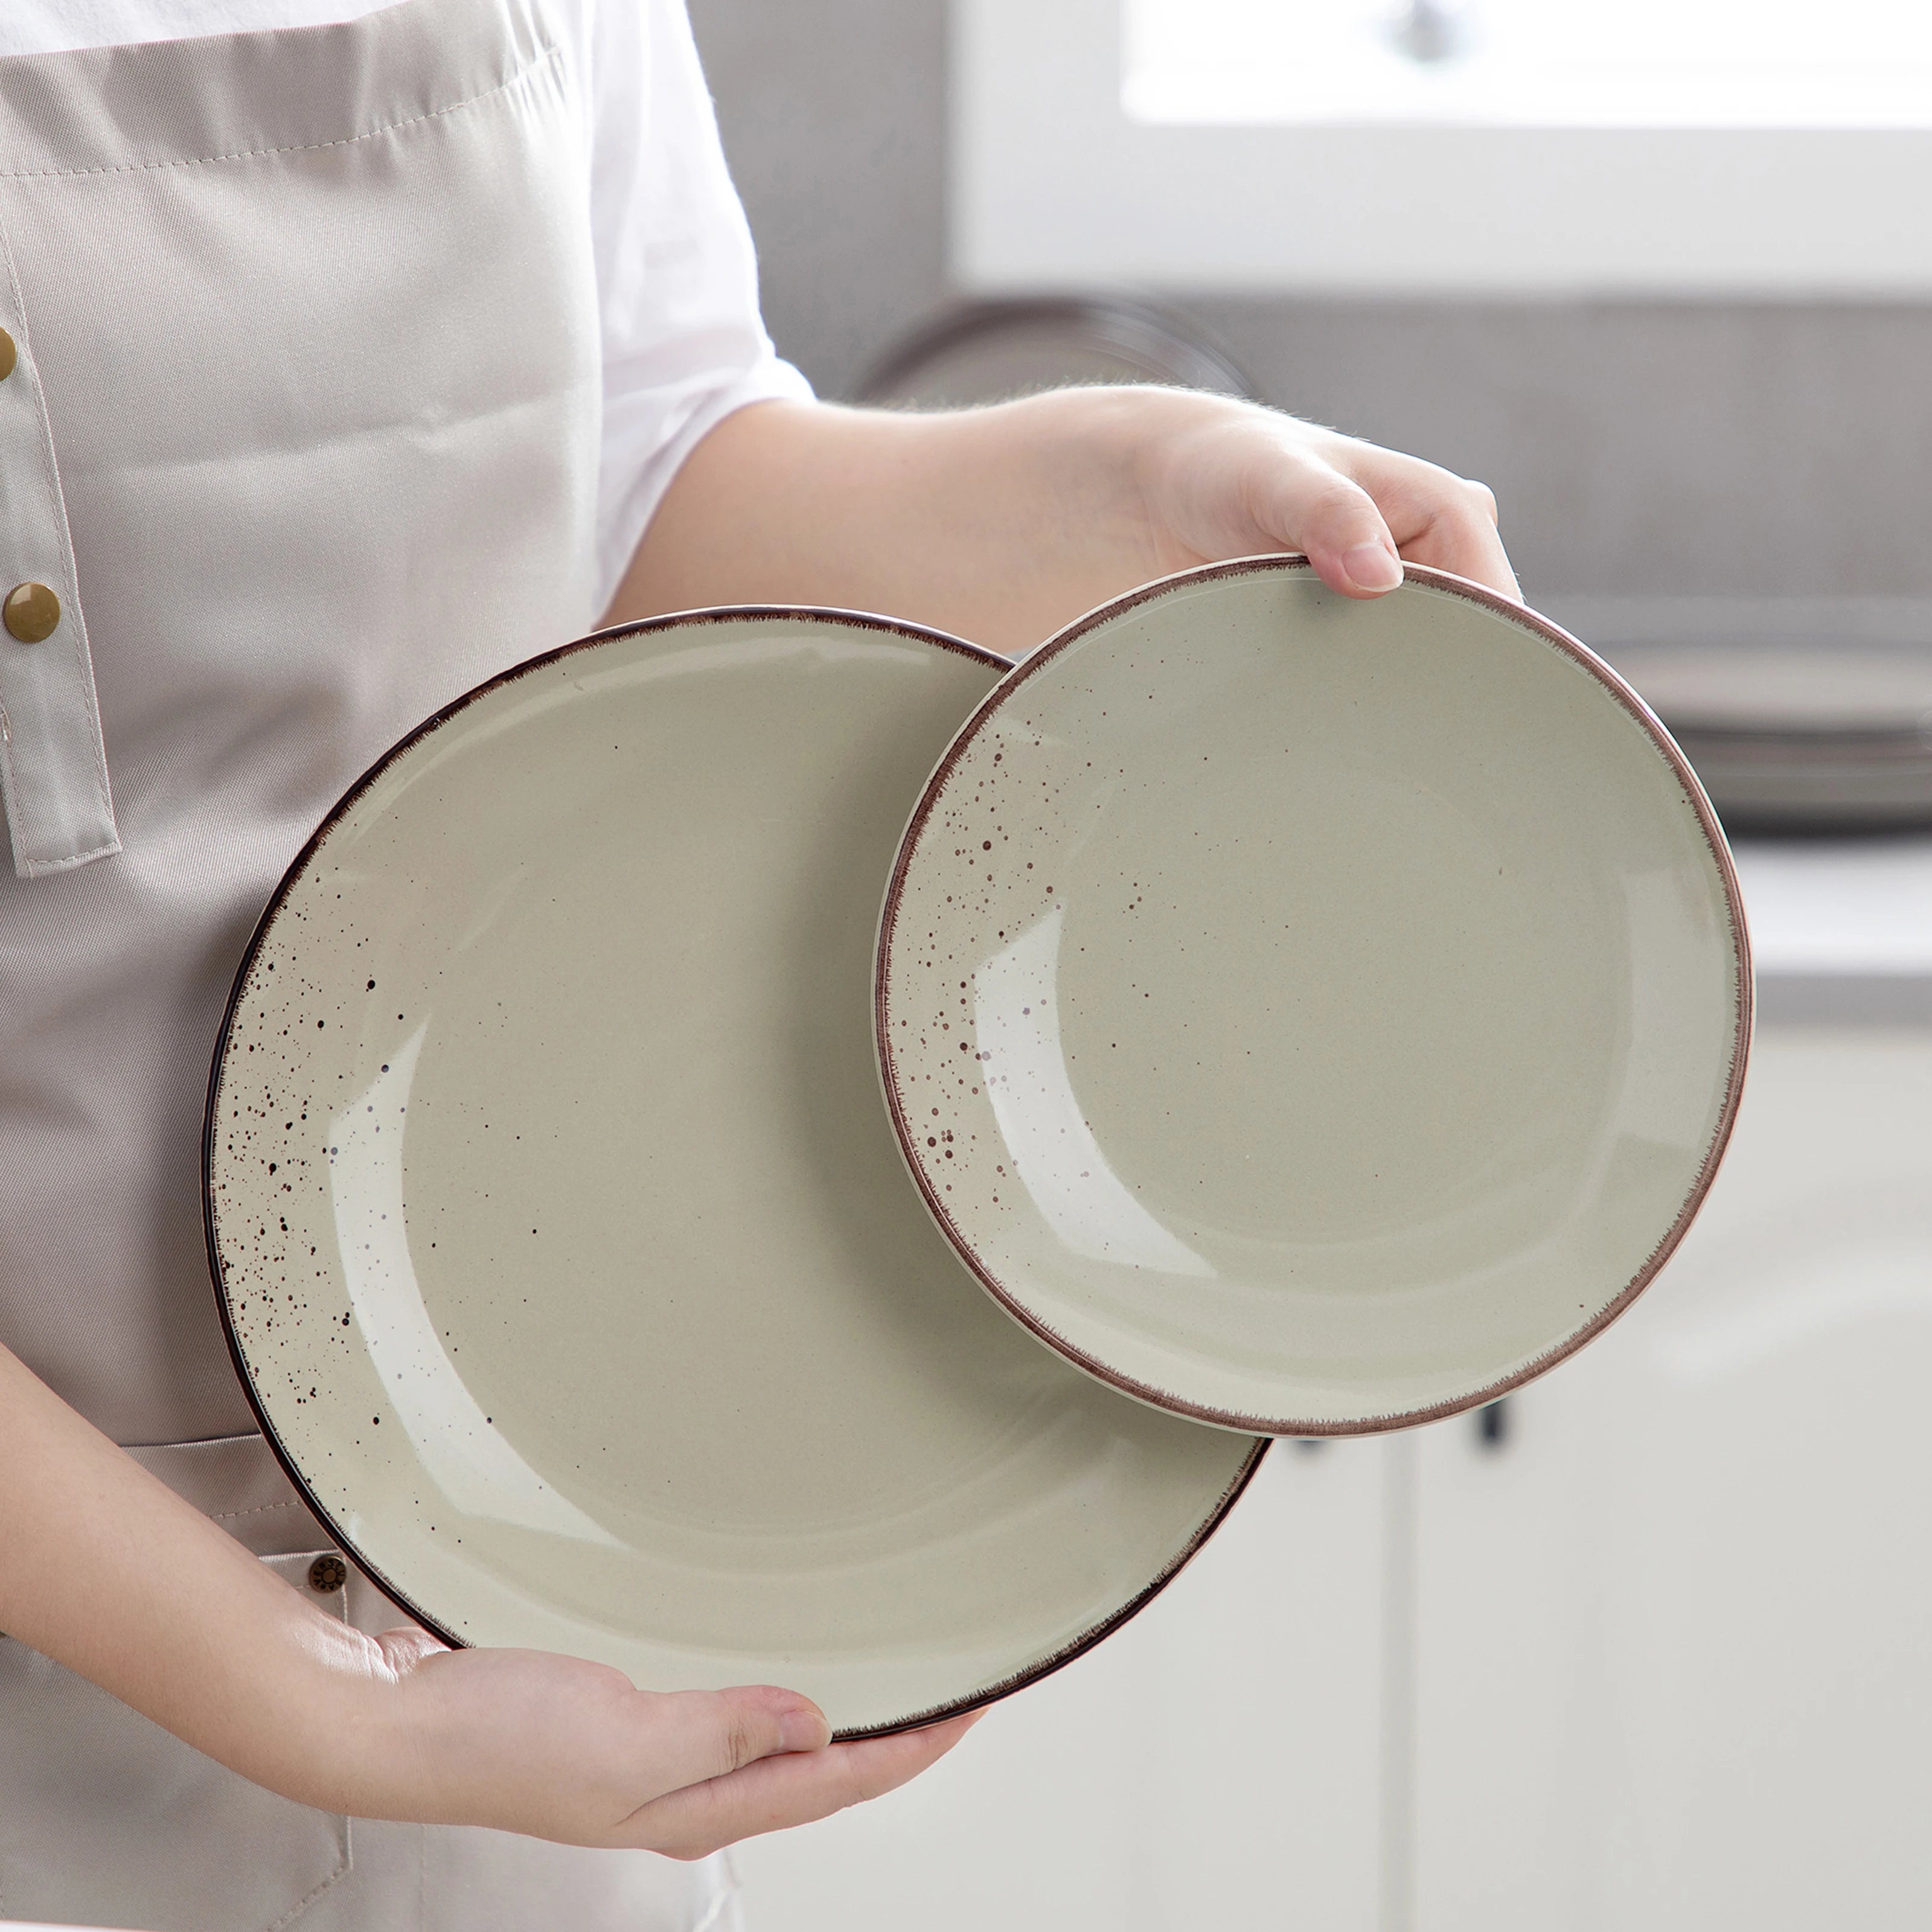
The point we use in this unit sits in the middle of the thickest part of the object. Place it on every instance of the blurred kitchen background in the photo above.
(1649, 1646)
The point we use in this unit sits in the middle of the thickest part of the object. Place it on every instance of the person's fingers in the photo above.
(1470, 547)
(1308, 505)
(700, 1736)
(1237, 481)
(774, 1793)
(1436, 517)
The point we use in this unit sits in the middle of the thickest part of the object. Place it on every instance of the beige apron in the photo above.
(303, 432)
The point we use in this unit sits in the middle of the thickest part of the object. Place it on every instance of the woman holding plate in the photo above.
(352, 355)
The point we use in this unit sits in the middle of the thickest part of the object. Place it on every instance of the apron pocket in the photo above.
(106, 1819)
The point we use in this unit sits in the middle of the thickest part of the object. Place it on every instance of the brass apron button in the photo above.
(30, 612)
(9, 356)
(327, 1574)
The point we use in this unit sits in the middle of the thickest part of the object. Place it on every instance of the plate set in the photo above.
(774, 1146)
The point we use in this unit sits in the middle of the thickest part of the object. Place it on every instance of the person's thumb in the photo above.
(706, 1734)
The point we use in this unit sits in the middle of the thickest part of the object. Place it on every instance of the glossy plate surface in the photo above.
(561, 1235)
(1312, 1016)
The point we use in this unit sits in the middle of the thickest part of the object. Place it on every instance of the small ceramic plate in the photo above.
(1311, 1016)
(562, 1242)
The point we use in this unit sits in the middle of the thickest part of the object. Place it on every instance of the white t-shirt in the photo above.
(683, 344)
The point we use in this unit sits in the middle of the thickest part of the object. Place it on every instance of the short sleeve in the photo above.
(678, 282)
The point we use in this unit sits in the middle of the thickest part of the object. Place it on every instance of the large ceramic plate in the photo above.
(1311, 1016)
(561, 1236)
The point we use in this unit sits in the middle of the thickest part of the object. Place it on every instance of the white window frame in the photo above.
(1053, 187)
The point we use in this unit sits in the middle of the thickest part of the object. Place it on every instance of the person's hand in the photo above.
(1221, 478)
(1002, 524)
(564, 1750)
(110, 1572)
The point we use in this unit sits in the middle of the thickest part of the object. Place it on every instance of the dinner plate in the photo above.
(560, 1235)
(1313, 1015)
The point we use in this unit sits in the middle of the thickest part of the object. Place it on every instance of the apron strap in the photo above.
(236, 1480)
(53, 767)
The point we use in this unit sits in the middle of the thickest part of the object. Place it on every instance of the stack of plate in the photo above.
(986, 351)
(1287, 1015)
(1791, 736)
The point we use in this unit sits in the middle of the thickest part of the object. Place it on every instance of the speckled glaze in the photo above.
(561, 1236)
(1308, 1016)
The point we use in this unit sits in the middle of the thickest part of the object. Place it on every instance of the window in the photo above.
(1667, 147)
(1797, 63)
